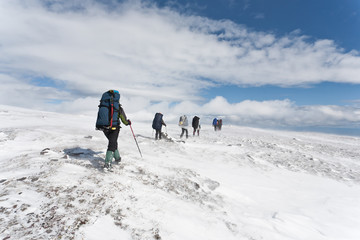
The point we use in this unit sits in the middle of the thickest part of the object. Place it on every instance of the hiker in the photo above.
(157, 125)
(109, 115)
(196, 125)
(219, 124)
(215, 123)
(183, 123)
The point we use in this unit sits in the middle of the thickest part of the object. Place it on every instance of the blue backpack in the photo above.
(109, 109)
(157, 122)
(214, 122)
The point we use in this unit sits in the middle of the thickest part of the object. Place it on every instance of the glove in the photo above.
(129, 122)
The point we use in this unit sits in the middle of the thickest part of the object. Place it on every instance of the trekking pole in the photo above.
(136, 141)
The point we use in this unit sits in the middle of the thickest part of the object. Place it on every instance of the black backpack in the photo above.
(195, 122)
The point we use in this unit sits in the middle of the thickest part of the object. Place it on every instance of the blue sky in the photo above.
(318, 19)
(262, 63)
(324, 19)
(326, 93)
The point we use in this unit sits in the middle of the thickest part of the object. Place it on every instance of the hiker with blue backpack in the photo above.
(215, 124)
(157, 124)
(109, 115)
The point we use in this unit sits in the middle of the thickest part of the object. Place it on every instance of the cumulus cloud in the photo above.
(158, 58)
(275, 113)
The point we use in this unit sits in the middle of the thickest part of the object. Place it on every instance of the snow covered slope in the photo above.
(240, 183)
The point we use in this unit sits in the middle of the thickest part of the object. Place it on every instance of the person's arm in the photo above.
(123, 117)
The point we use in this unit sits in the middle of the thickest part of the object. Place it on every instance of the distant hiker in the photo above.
(183, 123)
(215, 123)
(108, 120)
(196, 125)
(157, 125)
(219, 124)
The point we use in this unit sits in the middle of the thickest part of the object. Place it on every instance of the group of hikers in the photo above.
(158, 122)
(110, 113)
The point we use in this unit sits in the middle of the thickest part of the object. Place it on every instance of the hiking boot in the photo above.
(108, 167)
(117, 161)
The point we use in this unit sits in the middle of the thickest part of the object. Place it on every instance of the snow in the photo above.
(103, 225)
(238, 183)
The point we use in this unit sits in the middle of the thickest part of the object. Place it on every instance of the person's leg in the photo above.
(157, 134)
(106, 133)
(108, 159)
(187, 133)
(160, 133)
(112, 136)
(182, 132)
(117, 156)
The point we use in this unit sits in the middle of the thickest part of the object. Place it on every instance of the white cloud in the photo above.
(259, 15)
(158, 55)
(275, 113)
(281, 113)
(21, 93)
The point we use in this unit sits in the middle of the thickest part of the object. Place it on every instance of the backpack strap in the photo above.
(112, 109)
